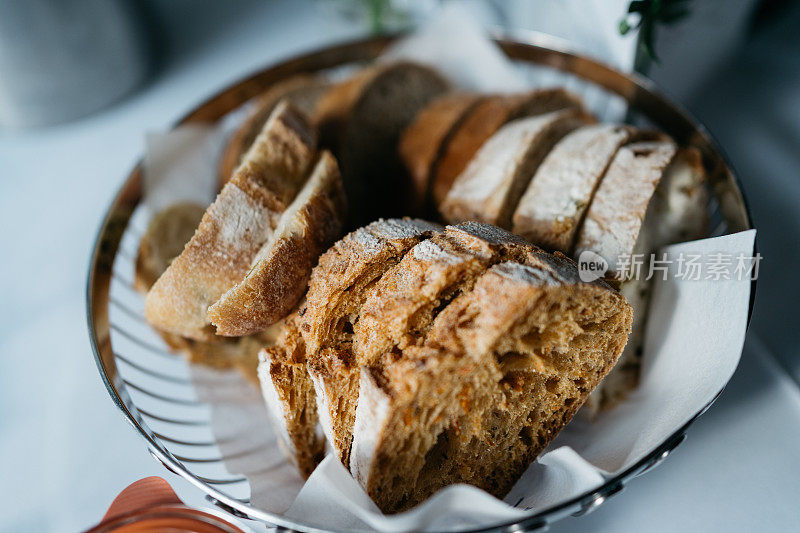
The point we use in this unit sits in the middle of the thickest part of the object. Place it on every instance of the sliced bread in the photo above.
(422, 141)
(302, 91)
(234, 227)
(280, 271)
(163, 241)
(402, 305)
(482, 122)
(289, 395)
(490, 187)
(503, 370)
(361, 120)
(550, 211)
(653, 194)
(337, 289)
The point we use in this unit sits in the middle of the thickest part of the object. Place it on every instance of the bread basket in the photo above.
(152, 387)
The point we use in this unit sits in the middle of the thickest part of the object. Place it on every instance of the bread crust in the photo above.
(281, 270)
(614, 218)
(302, 91)
(490, 187)
(423, 140)
(551, 209)
(482, 122)
(234, 227)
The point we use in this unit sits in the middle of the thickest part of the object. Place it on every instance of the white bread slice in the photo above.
(653, 195)
(303, 91)
(504, 369)
(361, 120)
(280, 271)
(234, 227)
(490, 187)
(337, 289)
(422, 142)
(550, 211)
(482, 122)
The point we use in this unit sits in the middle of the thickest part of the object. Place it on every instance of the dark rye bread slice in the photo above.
(234, 227)
(302, 91)
(653, 194)
(337, 289)
(490, 187)
(482, 122)
(402, 305)
(281, 269)
(505, 368)
(422, 142)
(361, 120)
(291, 402)
(552, 208)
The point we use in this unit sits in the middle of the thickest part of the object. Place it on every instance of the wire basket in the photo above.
(153, 388)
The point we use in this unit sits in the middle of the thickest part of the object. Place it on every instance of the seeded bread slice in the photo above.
(289, 395)
(402, 305)
(361, 120)
(652, 195)
(337, 289)
(490, 187)
(234, 227)
(550, 211)
(424, 139)
(530, 343)
(281, 269)
(482, 122)
(302, 91)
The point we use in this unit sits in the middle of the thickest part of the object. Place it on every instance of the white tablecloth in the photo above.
(64, 449)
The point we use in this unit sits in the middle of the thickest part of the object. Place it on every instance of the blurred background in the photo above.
(82, 81)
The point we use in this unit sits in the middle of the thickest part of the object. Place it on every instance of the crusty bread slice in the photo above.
(652, 195)
(289, 395)
(234, 227)
(482, 122)
(163, 240)
(361, 120)
(504, 369)
(490, 187)
(337, 289)
(423, 140)
(550, 211)
(402, 305)
(303, 91)
(281, 269)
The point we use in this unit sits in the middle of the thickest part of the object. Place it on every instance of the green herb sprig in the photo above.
(646, 15)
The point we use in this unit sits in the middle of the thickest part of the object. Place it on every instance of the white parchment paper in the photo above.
(694, 340)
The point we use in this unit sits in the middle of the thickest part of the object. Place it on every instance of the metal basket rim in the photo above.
(580, 504)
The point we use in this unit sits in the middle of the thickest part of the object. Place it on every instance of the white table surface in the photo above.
(65, 451)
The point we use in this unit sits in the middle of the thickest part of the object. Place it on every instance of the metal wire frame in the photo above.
(146, 374)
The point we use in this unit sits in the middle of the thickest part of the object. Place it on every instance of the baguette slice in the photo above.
(336, 292)
(653, 195)
(401, 307)
(361, 120)
(302, 91)
(424, 139)
(234, 227)
(482, 122)
(490, 187)
(550, 211)
(289, 395)
(504, 369)
(281, 269)
(163, 241)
